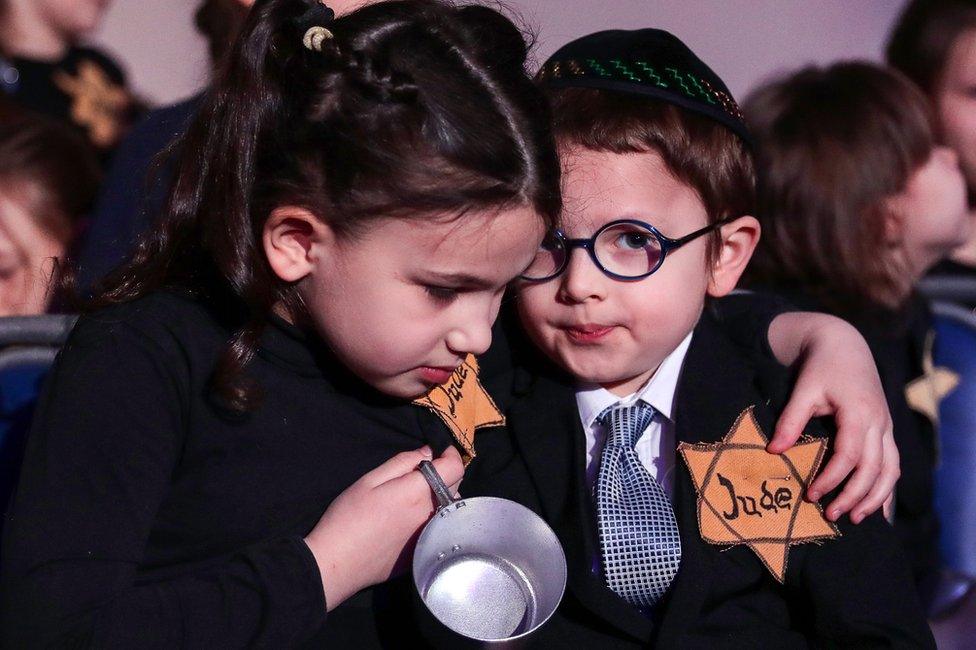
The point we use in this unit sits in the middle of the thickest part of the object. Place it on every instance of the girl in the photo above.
(43, 68)
(352, 201)
(857, 202)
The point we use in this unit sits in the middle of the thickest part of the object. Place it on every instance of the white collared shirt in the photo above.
(656, 446)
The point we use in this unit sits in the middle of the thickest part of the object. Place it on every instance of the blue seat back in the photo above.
(955, 478)
(28, 347)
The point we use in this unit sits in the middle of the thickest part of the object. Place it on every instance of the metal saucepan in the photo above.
(488, 568)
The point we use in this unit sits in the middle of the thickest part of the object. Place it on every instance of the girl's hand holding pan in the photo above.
(366, 535)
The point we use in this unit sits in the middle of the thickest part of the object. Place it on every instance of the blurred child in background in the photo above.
(857, 202)
(934, 45)
(48, 182)
(43, 67)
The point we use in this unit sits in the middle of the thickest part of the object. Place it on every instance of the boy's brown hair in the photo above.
(832, 145)
(700, 152)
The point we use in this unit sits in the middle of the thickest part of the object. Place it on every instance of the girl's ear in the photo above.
(293, 240)
(739, 239)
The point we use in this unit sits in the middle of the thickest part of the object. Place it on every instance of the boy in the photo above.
(710, 544)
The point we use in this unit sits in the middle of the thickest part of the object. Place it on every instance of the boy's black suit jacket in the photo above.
(854, 590)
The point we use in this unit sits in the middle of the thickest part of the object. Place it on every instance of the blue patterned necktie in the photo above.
(639, 540)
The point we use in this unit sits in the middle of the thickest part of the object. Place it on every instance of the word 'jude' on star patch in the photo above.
(464, 405)
(747, 495)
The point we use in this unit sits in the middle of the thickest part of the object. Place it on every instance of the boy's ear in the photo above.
(739, 239)
(293, 238)
(894, 224)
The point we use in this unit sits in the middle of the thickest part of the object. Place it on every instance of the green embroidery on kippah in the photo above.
(649, 72)
(599, 69)
(642, 72)
(677, 77)
(701, 91)
(619, 65)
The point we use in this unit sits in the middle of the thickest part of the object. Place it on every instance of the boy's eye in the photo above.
(441, 294)
(633, 240)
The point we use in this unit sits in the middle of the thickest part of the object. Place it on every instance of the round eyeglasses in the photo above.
(625, 249)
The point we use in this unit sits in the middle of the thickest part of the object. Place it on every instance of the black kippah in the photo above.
(649, 62)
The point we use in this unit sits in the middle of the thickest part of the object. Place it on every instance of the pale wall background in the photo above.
(743, 40)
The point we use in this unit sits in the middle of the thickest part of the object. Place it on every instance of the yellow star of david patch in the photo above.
(464, 405)
(748, 496)
(926, 393)
(98, 103)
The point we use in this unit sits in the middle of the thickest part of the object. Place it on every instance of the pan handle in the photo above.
(436, 484)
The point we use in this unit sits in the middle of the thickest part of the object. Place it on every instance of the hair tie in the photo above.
(317, 17)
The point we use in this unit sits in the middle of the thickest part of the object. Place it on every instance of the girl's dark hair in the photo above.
(832, 145)
(414, 108)
(923, 37)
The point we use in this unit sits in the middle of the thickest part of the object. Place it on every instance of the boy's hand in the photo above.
(838, 377)
(367, 534)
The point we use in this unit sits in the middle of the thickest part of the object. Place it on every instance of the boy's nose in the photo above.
(582, 280)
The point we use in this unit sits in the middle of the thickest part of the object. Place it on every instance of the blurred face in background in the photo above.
(72, 18)
(29, 251)
(931, 212)
(956, 103)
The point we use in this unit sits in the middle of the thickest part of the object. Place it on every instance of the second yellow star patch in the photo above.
(926, 393)
(464, 405)
(748, 496)
(98, 103)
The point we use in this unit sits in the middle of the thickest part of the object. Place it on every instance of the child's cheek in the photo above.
(534, 303)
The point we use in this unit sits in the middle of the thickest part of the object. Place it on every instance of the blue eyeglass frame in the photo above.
(588, 244)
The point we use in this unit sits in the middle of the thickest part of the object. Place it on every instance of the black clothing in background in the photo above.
(85, 89)
(851, 591)
(897, 339)
(133, 192)
(953, 282)
(948, 267)
(898, 342)
(148, 516)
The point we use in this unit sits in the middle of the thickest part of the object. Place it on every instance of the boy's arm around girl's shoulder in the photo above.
(107, 439)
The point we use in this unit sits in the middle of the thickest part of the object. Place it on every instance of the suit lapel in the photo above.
(545, 424)
(717, 383)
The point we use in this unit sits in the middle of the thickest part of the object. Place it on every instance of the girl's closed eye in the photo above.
(441, 294)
